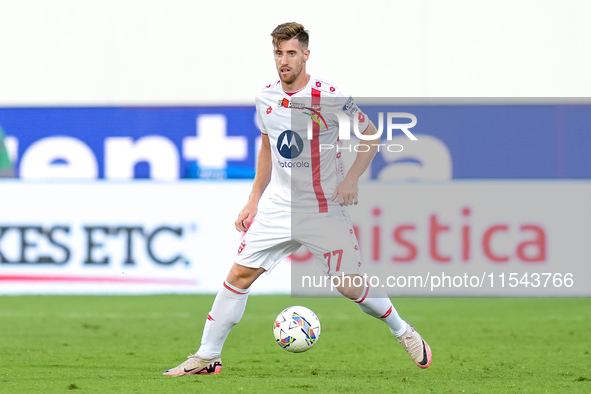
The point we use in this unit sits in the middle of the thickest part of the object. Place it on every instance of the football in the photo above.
(296, 329)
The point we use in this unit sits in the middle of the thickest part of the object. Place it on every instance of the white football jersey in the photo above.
(303, 130)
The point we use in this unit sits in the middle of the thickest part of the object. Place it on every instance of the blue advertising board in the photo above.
(480, 141)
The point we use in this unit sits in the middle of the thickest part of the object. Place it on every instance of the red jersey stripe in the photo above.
(315, 145)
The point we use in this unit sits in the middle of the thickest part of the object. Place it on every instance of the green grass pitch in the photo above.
(123, 344)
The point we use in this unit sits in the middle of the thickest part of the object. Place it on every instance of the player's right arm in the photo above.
(261, 180)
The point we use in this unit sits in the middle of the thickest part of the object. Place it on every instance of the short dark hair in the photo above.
(288, 31)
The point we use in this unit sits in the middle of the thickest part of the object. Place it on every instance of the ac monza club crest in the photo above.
(241, 247)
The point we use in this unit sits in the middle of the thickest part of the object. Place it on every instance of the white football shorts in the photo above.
(274, 235)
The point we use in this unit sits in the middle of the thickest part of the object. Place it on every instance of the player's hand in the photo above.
(245, 217)
(346, 191)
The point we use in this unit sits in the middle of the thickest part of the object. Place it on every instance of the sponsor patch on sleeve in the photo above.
(350, 107)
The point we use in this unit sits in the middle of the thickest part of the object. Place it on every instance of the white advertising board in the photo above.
(501, 238)
(106, 238)
(475, 238)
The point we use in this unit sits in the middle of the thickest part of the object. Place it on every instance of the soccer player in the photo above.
(309, 194)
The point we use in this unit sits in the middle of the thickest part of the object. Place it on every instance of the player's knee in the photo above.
(349, 288)
(351, 292)
(242, 277)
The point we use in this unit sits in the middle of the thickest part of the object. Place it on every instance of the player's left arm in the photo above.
(347, 190)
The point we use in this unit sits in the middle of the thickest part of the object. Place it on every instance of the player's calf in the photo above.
(375, 302)
(351, 286)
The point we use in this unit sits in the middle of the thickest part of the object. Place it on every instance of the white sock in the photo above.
(376, 303)
(226, 312)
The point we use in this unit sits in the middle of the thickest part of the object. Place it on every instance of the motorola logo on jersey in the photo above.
(290, 144)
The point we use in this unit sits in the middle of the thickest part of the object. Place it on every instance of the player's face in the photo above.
(290, 60)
